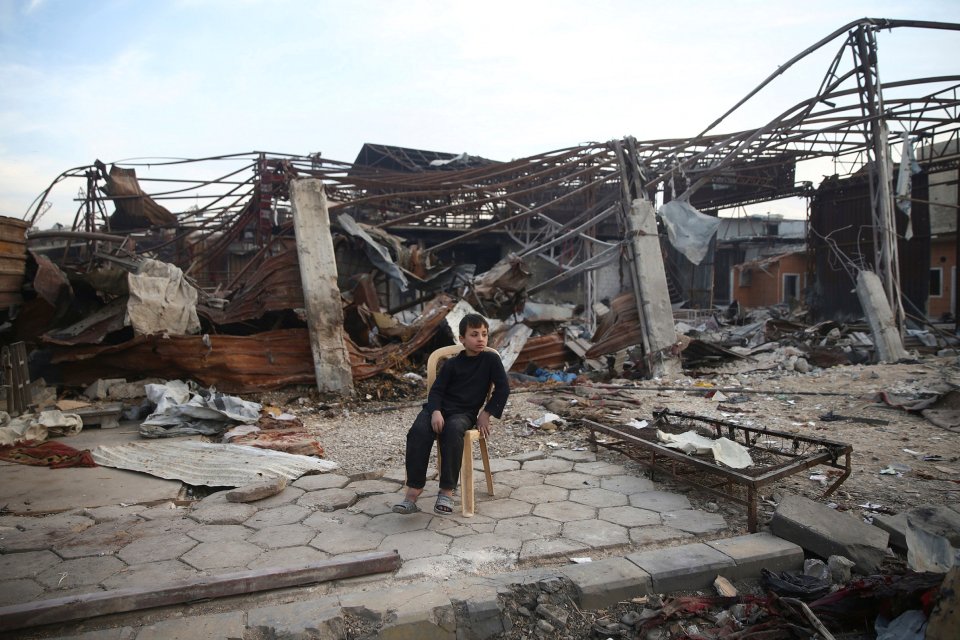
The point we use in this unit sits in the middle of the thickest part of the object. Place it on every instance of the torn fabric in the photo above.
(689, 230)
(375, 251)
(725, 451)
(908, 167)
(161, 300)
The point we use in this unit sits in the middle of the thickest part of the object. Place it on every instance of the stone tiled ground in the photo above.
(565, 503)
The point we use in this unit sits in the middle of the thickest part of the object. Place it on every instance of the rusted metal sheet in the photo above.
(274, 286)
(235, 364)
(368, 362)
(547, 351)
(13, 259)
(135, 209)
(618, 329)
(208, 464)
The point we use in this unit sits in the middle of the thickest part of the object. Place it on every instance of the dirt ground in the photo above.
(899, 459)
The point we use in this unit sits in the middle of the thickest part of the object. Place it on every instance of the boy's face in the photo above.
(475, 340)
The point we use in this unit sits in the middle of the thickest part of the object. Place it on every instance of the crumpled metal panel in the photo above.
(618, 329)
(274, 286)
(548, 352)
(208, 464)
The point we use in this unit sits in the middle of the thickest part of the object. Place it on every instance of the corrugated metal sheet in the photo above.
(208, 464)
(547, 351)
(274, 286)
(618, 329)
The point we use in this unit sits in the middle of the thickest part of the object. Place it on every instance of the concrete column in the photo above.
(886, 336)
(653, 297)
(318, 272)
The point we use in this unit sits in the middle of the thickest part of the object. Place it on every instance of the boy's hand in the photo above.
(436, 421)
(483, 423)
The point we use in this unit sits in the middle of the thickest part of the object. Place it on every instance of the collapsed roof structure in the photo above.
(579, 220)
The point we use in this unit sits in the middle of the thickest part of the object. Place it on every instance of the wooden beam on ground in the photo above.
(318, 272)
(101, 603)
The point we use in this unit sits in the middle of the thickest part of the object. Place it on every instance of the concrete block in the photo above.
(257, 490)
(895, 526)
(685, 568)
(825, 532)
(481, 617)
(98, 390)
(321, 618)
(756, 551)
(605, 582)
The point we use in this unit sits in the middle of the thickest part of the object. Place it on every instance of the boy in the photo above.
(452, 407)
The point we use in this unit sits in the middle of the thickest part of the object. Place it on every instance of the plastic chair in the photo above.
(466, 466)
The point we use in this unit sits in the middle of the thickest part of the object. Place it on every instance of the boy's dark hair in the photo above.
(472, 321)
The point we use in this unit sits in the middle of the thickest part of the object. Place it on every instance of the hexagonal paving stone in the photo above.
(391, 523)
(26, 564)
(501, 464)
(440, 567)
(286, 514)
(285, 535)
(564, 511)
(211, 555)
(19, 591)
(575, 456)
(345, 539)
(100, 539)
(81, 572)
(219, 533)
(156, 548)
(528, 527)
(449, 527)
(165, 510)
(598, 498)
(377, 504)
(162, 527)
(538, 494)
(627, 484)
(150, 573)
(659, 501)
(364, 488)
(416, 544)
(225, 513)
(288, 557)
(527, 455)
(322, 481)
(572, 480)
(505, 508)
(487, 548)
(629, 516)
(548, 465)
(694, 521)
(518, 478)
(537, 549)
(287, 496)
(599, 468)
(499, 490)
(596, 533)
(112, 512)
(328, 499)
(656, 534)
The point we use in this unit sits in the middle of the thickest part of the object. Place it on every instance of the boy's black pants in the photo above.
(420, 440)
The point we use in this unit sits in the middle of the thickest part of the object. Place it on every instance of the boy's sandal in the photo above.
(444, 505)
(406, 506)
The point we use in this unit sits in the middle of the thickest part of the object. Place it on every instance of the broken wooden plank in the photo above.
(101, 603)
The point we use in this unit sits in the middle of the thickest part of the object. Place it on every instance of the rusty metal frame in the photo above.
(740, 486)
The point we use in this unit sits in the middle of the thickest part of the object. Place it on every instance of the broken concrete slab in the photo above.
(826, 532)
(886, 336)
(756, 551)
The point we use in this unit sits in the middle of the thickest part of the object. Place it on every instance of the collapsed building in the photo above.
(299, 269)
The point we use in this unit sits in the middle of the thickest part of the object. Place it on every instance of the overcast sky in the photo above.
(119, 79)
